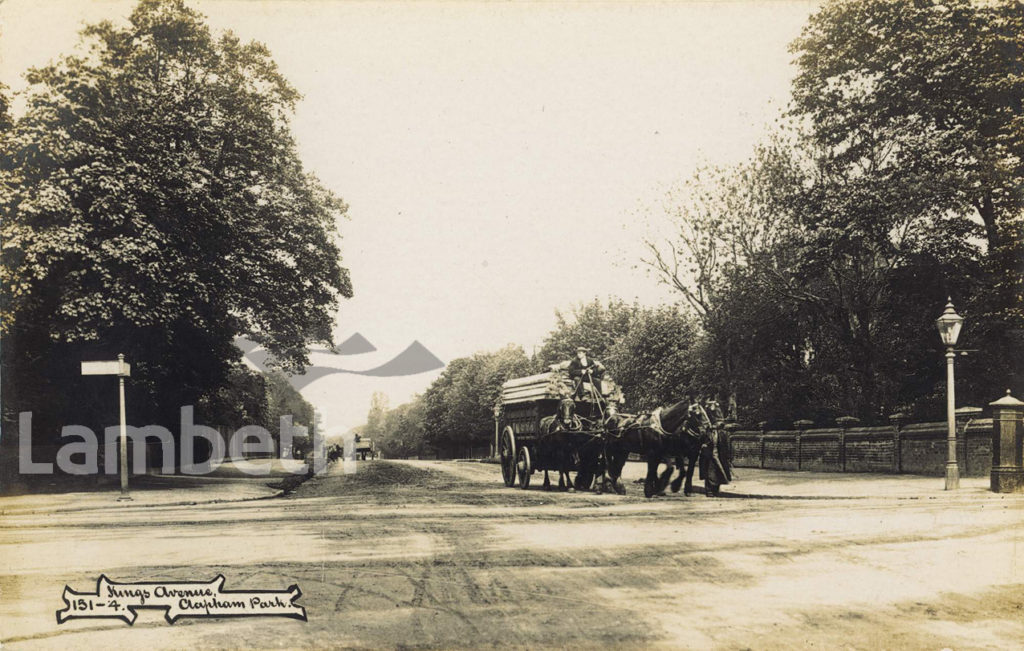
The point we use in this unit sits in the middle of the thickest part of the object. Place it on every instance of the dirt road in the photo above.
(440, 554)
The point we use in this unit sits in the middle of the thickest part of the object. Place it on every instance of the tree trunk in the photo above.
(987, 211)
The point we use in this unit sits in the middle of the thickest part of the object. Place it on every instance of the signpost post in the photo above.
(121, 369)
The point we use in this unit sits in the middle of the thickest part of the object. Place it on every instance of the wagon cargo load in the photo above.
(552, 385)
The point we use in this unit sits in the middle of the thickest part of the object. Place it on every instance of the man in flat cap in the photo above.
(583, 369)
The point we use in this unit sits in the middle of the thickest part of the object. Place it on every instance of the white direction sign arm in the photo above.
(113, 367)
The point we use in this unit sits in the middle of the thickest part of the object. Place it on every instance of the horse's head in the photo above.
(566, 410)
(613, 420)
(697, 419)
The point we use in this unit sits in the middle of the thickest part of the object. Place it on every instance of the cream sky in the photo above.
(494, 156)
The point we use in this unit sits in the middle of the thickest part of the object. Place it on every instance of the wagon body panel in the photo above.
(524, 402)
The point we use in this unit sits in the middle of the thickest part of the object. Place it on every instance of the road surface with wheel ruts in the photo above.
(439, 554)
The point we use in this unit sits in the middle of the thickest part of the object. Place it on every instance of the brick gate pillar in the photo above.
(1007, 466)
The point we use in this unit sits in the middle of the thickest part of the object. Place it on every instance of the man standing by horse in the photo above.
(716, 451)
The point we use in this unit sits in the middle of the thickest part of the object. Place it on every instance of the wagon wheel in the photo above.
(508, 457)
(524, 467)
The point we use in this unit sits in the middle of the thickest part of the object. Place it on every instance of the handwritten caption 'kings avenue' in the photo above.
(188, 599)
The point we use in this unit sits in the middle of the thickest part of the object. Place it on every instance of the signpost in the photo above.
(121, 369)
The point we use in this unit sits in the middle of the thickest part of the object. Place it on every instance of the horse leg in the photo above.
(616, 464)
(607, 460)
(611, 469)
(563, 472)
(677, 483)
(606, 480)
(567, 463)
(602, 477)
(564, 478)
(547, 481)
(651, 481)
(691, 466)
(617, 485)
(665, 476)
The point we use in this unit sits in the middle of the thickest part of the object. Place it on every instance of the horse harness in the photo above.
(650, 421)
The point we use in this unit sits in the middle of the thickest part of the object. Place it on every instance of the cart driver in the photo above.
(583, 369)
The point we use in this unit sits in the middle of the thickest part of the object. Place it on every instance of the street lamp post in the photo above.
(949, 329)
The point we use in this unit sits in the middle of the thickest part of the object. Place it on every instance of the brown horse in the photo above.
(657, 437)
(557, 441)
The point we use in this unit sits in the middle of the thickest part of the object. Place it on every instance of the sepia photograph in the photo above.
(475, 324)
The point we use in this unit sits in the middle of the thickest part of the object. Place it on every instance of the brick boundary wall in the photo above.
(918, 448)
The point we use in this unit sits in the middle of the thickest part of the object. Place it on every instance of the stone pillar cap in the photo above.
(1006, 401)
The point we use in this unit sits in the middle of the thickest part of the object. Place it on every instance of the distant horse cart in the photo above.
(365, 449)
(546, 424)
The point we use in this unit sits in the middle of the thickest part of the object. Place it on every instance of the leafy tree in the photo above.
(245, 399)
(284, 400)
(797, 282)
(458, 408)
(5, 109)
(375, 418)
(724, 221)
(655, 362)
(758, 347)
(936, 85)
(938, 88)
(594, 325)
(403, 431)
(917, 107)
(155, 205)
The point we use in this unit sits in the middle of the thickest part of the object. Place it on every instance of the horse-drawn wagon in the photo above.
(545, 423)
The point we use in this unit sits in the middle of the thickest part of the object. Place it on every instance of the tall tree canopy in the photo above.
(458, 408)
(155, 205)
(656, 361)
(925, 100)
(818, 267)
(915, 111)
(930, 93)
(593, 325)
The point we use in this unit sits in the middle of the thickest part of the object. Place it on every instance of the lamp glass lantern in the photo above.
(949, 325)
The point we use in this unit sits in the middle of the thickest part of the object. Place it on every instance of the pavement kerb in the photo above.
(135, 503)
